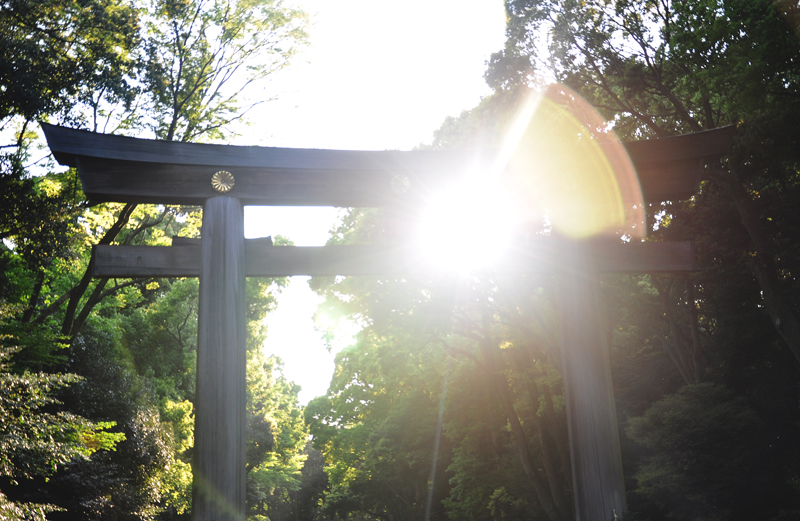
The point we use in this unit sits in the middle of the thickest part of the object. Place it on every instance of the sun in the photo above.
(560, 161)
(467, 227)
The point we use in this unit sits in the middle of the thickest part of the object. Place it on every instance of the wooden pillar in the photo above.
(219, 441)
(591, 413)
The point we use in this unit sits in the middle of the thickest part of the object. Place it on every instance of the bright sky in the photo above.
(378, 75)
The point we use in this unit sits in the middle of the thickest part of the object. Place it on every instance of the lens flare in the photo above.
(569, 163)
(559, 163)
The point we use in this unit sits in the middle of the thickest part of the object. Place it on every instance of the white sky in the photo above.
(378, 75)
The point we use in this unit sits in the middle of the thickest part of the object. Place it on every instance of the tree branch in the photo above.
(78, 291)
(543, 493)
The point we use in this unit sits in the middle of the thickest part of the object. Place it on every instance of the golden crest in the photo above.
(400, 184)
(222, 181)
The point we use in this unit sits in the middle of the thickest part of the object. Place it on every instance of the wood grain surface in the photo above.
(123, 169)
(283, 261)
(220, 416)
(599, 488)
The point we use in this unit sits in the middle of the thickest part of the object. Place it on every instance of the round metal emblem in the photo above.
(400, 184)
(222, 181)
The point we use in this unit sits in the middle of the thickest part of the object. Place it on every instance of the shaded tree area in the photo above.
(450, 404)
(705, 366)
(98, 375)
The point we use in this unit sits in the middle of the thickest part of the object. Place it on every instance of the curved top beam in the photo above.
(123, 169)
(68, 144)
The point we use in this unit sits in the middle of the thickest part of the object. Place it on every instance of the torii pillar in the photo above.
(595, 455)
(220, 414)
(120, 169)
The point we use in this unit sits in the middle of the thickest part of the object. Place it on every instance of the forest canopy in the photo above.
(98, 376)
(450, 405)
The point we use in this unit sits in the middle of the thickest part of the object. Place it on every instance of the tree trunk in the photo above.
(551, 456)
(777, 305)
(76, 293)
(546, 500)
(37, 290)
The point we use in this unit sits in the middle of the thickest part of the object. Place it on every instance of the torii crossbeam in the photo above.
(224, 178)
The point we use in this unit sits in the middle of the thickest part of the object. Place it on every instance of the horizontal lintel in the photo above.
(123, 169)
(262, 260)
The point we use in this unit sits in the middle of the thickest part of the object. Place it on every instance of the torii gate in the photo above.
(224, 178)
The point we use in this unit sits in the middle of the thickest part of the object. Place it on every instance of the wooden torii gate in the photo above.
(225, 178)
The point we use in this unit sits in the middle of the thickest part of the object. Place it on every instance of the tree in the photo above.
(653, 69)
(276, 439)
(703, 432)
(377, 427)
(202, 54)
(307, 500)
(35, 442)
(57, 54)
(96, 72)
(187, 71)
(661, 68)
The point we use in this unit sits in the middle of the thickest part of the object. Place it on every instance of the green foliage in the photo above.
(35, 440)
(37, 443)
(130, 480)
(54, 53)
(202, 54)
(307, 500)
(177, 481)
(377, 426)
(161, 338)
(35, 347)
(487, 480)
(377, 423)
(276, 437)
(651, 68)
(694, 449)
(654, 68)
(659, 68)
(705, 445)
(24, 511)
(178, 68)
(36, 213)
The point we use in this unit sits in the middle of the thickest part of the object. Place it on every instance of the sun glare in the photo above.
(467, 227)
(559, 161)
